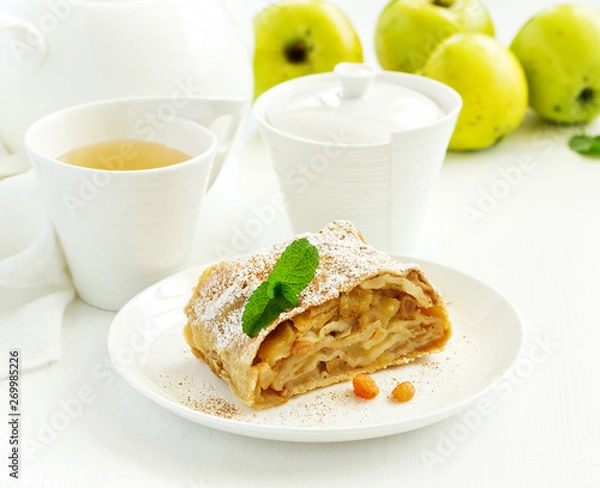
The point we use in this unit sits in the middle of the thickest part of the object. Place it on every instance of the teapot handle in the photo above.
(27, 40)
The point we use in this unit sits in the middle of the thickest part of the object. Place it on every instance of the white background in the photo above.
(539, 246)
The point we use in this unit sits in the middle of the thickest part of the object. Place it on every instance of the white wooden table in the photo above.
(537, 241)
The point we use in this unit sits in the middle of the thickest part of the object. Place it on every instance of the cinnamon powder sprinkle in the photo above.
(219, 407)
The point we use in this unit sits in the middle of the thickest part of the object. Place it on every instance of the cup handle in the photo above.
(206, 110)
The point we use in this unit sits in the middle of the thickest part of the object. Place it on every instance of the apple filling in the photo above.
(384, 321)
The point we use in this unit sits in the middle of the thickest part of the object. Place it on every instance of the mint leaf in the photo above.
(292, 273)
(278, 289)
(296, 266)
(585, 145)
(290, 295)
(260, 310)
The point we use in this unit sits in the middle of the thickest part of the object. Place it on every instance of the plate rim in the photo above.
(313, 434)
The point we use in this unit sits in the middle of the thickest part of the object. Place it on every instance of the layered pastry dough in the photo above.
(362, 312)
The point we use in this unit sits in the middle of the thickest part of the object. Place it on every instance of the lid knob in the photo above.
(355, 78)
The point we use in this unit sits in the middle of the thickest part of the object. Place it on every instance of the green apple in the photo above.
(408, 31)
(491, 82)
(559, 49)
(301, 37)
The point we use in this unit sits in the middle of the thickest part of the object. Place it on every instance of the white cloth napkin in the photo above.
(34, 285)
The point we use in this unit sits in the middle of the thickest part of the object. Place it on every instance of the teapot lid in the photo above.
(364, 110)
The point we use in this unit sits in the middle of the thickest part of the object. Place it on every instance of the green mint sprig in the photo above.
(292, 273)
(586, 145)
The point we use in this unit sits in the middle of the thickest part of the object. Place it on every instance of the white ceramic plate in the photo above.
(146, 346)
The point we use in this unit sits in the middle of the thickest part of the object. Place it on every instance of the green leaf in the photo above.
(259, 311)
(296, 266)
(292, 273)
(290, 295)
(276, 290)
(585, 145)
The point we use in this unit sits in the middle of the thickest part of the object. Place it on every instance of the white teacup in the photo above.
(123, 230)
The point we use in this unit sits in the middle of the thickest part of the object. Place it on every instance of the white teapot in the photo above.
(57, 53)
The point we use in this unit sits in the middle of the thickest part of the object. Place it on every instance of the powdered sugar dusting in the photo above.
(345, 260)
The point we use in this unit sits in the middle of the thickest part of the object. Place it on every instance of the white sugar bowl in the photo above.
(359, 145)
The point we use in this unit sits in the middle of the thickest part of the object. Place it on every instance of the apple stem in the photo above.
(296, 52)
(443, 3)
(586, 95)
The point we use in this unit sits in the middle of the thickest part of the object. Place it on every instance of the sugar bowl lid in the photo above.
(364, 109)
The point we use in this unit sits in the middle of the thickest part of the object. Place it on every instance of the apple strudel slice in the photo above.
(363, 311)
